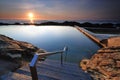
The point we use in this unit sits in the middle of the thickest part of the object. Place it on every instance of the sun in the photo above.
(31, 17)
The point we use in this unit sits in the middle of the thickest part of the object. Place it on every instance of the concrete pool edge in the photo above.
(96, 40)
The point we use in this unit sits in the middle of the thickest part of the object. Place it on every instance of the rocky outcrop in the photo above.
(15, 49)
(13, 54)
(105, 64)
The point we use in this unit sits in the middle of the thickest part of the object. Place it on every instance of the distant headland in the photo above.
(69, 23)
(113, 28)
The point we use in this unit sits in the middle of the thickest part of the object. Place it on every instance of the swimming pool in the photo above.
(53, 38)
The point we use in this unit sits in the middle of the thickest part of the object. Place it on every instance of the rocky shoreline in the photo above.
(13, 53)
(10, 47)
(105, 64)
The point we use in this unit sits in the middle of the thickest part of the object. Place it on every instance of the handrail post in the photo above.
(33, 67)
(34, 73)
(64, 51)
(61, 58)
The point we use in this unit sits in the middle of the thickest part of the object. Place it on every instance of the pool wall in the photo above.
(96, 40)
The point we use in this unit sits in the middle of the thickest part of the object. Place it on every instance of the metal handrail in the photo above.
(41, 55)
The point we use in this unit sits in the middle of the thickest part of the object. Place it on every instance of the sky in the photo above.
(61, 9)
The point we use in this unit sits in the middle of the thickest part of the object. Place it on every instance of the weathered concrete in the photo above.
(50, 70)
(113, 41)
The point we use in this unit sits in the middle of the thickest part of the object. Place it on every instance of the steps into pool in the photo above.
(50, 70)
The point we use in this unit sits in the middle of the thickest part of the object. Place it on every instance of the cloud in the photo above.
(76, 9)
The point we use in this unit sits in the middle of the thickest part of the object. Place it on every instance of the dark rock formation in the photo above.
(14, 54)
(104, 65)
(16, 49)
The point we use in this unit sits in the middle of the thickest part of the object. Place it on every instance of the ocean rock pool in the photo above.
(54, 38)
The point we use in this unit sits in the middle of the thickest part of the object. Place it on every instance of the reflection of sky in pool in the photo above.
(52, 38)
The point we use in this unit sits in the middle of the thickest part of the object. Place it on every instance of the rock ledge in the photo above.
(105, 64)
(16, 49)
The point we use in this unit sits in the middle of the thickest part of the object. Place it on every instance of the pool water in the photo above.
(53, 38)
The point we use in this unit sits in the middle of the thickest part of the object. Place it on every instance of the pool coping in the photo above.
(93, 38)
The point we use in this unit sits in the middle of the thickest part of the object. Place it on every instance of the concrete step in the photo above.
(66, 67)
(50, 70)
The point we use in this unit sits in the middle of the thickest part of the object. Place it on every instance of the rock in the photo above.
(15, 53)
(7, 66)
(105, 64)
(16, 49)
(118, 64)
(84, 64)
